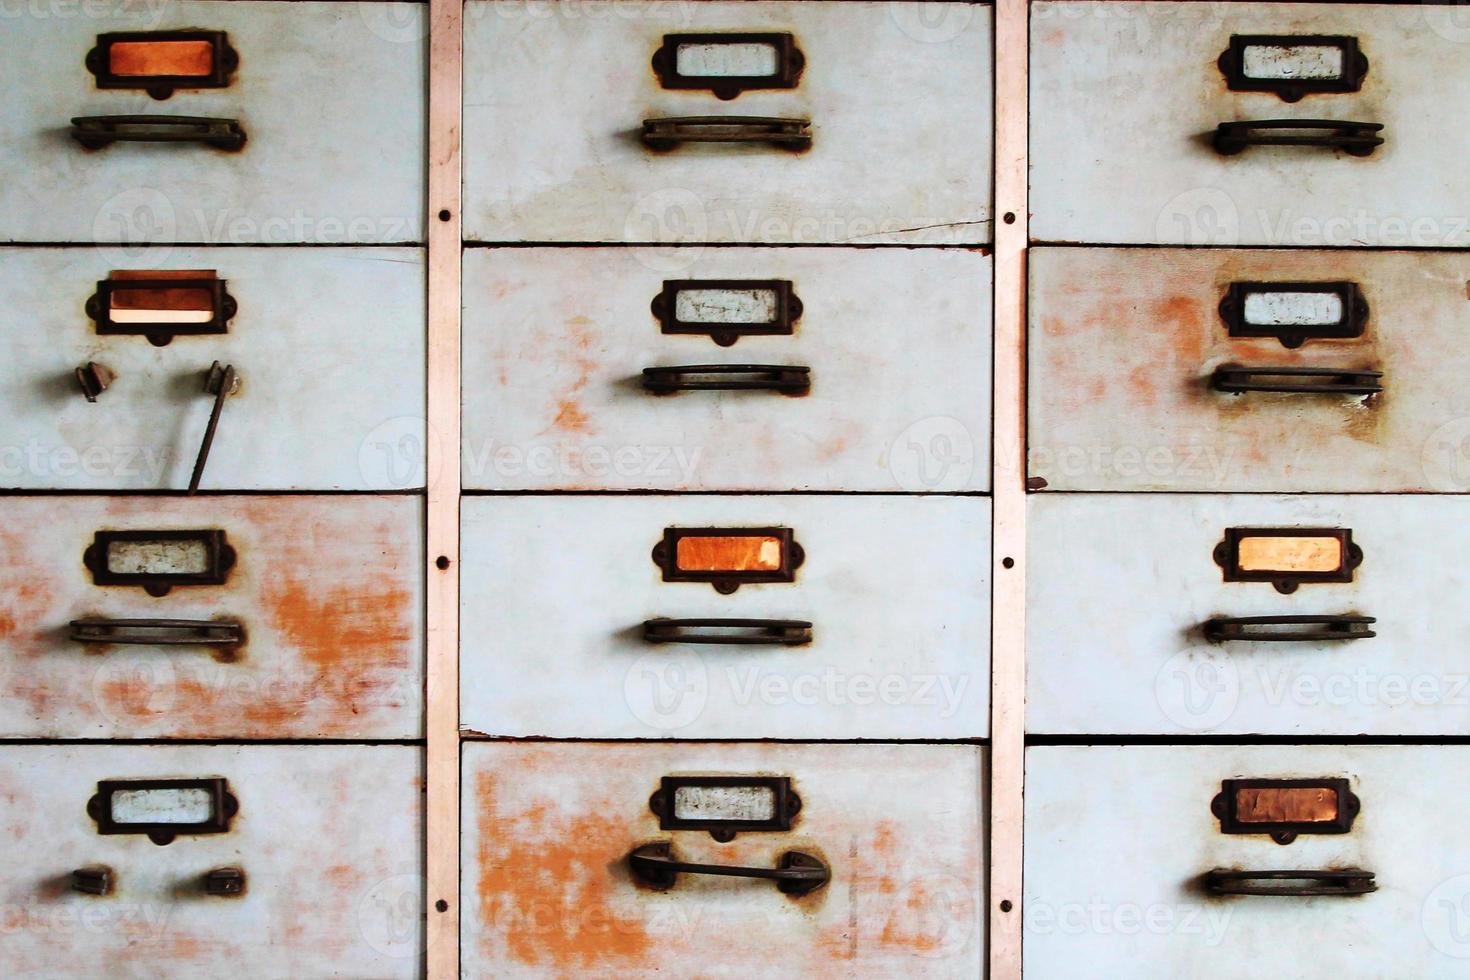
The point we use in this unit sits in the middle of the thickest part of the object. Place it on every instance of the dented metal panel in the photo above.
(1136, 382)
(329, 95)
(548, 892)
(894, 591)
(1121, 588)
(898, 96)
(328, 346)
(1125, 97)
(292, 888)
(1119, 841)
(326, 591)
(556, 343)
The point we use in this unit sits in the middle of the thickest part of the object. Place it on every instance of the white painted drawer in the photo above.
(555, 592)
(898, 97)
(896, 343)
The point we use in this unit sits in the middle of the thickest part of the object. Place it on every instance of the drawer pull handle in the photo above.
(96, 132)
(94, 379)
(158, 632)
(785, 379)
(1297, 380)
(728, 632)
(671, 131)
(219, 382)
(796, 874)
(225, 882)
(1359, 139)
(1304, 884)
(97, 880)
(1288, 629)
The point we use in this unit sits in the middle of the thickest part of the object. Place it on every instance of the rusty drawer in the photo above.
(772, 122)
(857, 617)
(252, 123)
(327, 346)
(284, 617)
(550, 890)
(1147, 861)
(1248, 370)
(267, 870)
(1248, 124)
(583, 369)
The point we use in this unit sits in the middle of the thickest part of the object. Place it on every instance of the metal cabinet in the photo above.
(759, 122)
(728, 860)
(252, 123)
(727, 369)
(224, 861)
(1248, 124)
(726, 617)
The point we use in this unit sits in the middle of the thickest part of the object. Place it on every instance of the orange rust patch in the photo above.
(570, 417)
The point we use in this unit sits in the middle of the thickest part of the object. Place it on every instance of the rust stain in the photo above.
(570, 417)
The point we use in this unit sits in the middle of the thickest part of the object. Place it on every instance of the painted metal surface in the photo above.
(1124, 344)
(555, 340)
(1117, 839)
(1121, 585)
(328, 345)
(548, 892)
(328, 591)
(895, 588)
(323, 897)
(898, 96)
(1125, 97)
(330, 96)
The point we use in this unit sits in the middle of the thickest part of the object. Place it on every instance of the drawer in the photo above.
(328, 98)
(871, 616)
(1119, 839)
(323, 896)
(872, 367)
(550, 890)
(841, 122)
(1134, 602)
(1129, 102)
(1183, 370)
(283, 617)
(327, 346)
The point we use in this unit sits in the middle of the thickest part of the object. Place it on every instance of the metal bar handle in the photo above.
(731, 632)
(96, 132)
(787, 380)
(158, 632)
(1359, 139)
(1334, 883)
(797, 873)
(668, 132)
(219, 382)
(1297, 380)
(1264, 629)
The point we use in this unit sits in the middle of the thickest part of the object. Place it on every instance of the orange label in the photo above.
(146, 59)
(728, 554)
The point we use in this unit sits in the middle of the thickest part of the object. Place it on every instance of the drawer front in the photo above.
(1158, 370)
(321, 896)
(1118, 840)
(559, 344)
(897, 97)
(286, 617)
(327, 346)
(894, 592)
(549, 890)
(1133, 606)
(1139, 91)
(328, 96)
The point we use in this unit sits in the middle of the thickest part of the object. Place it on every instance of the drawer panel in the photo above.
(1118, 840)
(548, 889)
(323, 896)
(1147, 373)
(894, 590)
(325, 594)
(328, 96)
(1127, 99)
(328, 346)
(897, 395)
(1131, 600)
(897, 97)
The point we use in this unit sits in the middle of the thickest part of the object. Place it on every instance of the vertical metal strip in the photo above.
(446, 59)
(1008, 630)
